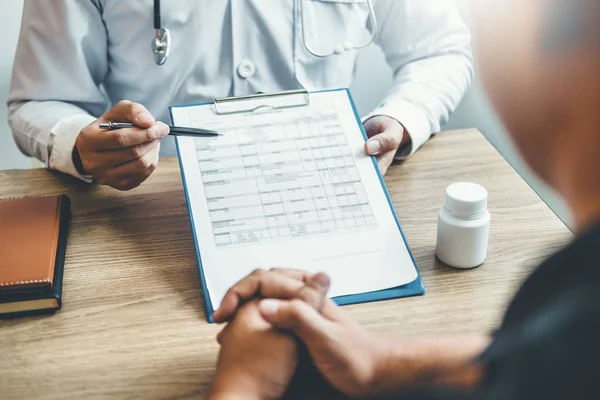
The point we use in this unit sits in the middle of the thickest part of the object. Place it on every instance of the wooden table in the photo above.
(133, 322)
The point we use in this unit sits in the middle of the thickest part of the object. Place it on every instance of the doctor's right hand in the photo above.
(122, 158)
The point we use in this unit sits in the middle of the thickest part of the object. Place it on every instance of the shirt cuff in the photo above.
(414, 120)
(65, 133)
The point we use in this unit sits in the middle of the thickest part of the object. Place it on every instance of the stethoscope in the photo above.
(344, 46)
(161, 43)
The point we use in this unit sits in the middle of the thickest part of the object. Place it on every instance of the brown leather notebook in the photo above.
(32, 245)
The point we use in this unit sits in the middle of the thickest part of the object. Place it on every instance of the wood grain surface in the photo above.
(133, 323)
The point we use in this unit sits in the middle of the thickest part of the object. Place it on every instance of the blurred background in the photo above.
(373, 79)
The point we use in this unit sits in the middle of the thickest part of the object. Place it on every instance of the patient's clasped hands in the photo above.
(268, 312)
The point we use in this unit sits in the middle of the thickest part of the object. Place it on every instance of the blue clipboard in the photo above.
(415, 288)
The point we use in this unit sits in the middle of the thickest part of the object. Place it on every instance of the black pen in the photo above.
(174, 130)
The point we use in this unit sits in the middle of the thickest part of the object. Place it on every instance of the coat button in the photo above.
(246, 69)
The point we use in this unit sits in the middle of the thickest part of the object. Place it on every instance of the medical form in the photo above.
(290, 187)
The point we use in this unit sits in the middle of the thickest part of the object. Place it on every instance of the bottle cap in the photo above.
(465, 199)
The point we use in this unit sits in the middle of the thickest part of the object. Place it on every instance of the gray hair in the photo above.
(570, 23)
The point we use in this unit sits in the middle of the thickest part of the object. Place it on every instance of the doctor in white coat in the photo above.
(81, 62)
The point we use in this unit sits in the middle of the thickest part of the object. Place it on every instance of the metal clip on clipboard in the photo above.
(261, 101)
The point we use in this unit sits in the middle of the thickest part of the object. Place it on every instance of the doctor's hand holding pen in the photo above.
(122, 158)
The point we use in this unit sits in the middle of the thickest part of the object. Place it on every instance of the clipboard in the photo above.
(262, 102)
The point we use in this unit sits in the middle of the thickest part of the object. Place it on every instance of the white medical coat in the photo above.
(76, 58)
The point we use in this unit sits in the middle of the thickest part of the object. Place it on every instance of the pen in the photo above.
(174, 130)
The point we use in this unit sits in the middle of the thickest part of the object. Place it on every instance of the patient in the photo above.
(540, 61)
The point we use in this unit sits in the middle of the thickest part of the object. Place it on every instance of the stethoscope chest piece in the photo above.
(161, 45)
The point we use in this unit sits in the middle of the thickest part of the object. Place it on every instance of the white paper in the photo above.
(290, 188)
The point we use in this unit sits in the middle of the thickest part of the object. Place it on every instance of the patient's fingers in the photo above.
(293, 273)
(315, 291)
(259, 283)
(277, 283)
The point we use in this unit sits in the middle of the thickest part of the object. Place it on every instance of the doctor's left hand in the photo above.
(386, 135)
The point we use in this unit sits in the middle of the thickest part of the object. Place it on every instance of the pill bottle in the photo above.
(463, 226)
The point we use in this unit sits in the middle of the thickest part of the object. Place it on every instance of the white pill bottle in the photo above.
(463, 226)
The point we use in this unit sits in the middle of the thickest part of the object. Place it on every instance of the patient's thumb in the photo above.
(297, 316)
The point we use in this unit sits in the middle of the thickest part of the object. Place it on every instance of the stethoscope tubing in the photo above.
(162, 40)
(342, 47)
